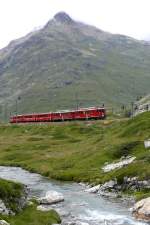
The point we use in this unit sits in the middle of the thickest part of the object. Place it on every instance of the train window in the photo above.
(28, 116)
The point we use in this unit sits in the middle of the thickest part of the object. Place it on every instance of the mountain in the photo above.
(68, 63)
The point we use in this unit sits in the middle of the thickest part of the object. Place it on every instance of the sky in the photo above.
(128, 17)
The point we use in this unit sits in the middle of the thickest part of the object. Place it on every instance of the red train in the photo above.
(65, 115)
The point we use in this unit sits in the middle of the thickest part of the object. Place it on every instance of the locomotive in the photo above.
(64, 115)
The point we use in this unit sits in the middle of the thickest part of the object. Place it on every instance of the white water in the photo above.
(78, 205)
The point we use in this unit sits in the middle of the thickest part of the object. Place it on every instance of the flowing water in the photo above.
(78, 206)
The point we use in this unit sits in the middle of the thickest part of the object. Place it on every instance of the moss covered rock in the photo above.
(13, 197)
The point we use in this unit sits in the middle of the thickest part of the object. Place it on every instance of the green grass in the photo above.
(31, 216)
(10, 193)
(76, 151)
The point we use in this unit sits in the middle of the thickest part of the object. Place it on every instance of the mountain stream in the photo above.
(79, 207)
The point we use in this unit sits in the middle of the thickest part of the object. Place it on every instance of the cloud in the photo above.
(129, 17)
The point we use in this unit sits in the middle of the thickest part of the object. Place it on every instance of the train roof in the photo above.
(62, 111)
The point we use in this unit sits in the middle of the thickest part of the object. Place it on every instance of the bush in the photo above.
(124, 149)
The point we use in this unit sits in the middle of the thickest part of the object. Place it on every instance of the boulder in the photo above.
(74, 223)
(147, 143)
(43, 208)
(3, 222)
(93, 189)
(109, 189)
(109, 194)
(29, 203)
(52, 197)
(141, 210)
(108, 186)
(123, 162)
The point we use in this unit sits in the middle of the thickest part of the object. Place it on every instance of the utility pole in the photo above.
(132, 105)
(77, 101)
(17, 104)
(16, 107)
(5, 112)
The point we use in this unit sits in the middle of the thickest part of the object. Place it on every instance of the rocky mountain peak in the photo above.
(63, 17)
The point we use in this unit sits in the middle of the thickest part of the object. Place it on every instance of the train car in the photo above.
(64, 115)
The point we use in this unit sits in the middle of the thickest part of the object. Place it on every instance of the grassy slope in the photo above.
(77, 151)
(30, 216)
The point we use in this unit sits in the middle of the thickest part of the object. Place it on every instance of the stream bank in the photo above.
(79, 207)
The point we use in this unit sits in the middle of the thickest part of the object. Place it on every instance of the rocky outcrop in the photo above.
(52, 197)
(3, 208)
(19, 203)
(123, 162)
(141, 210)
(22, 200)
(133, 183)
(113, 189)
(109, 189)
(63, 17)
(112, 184)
